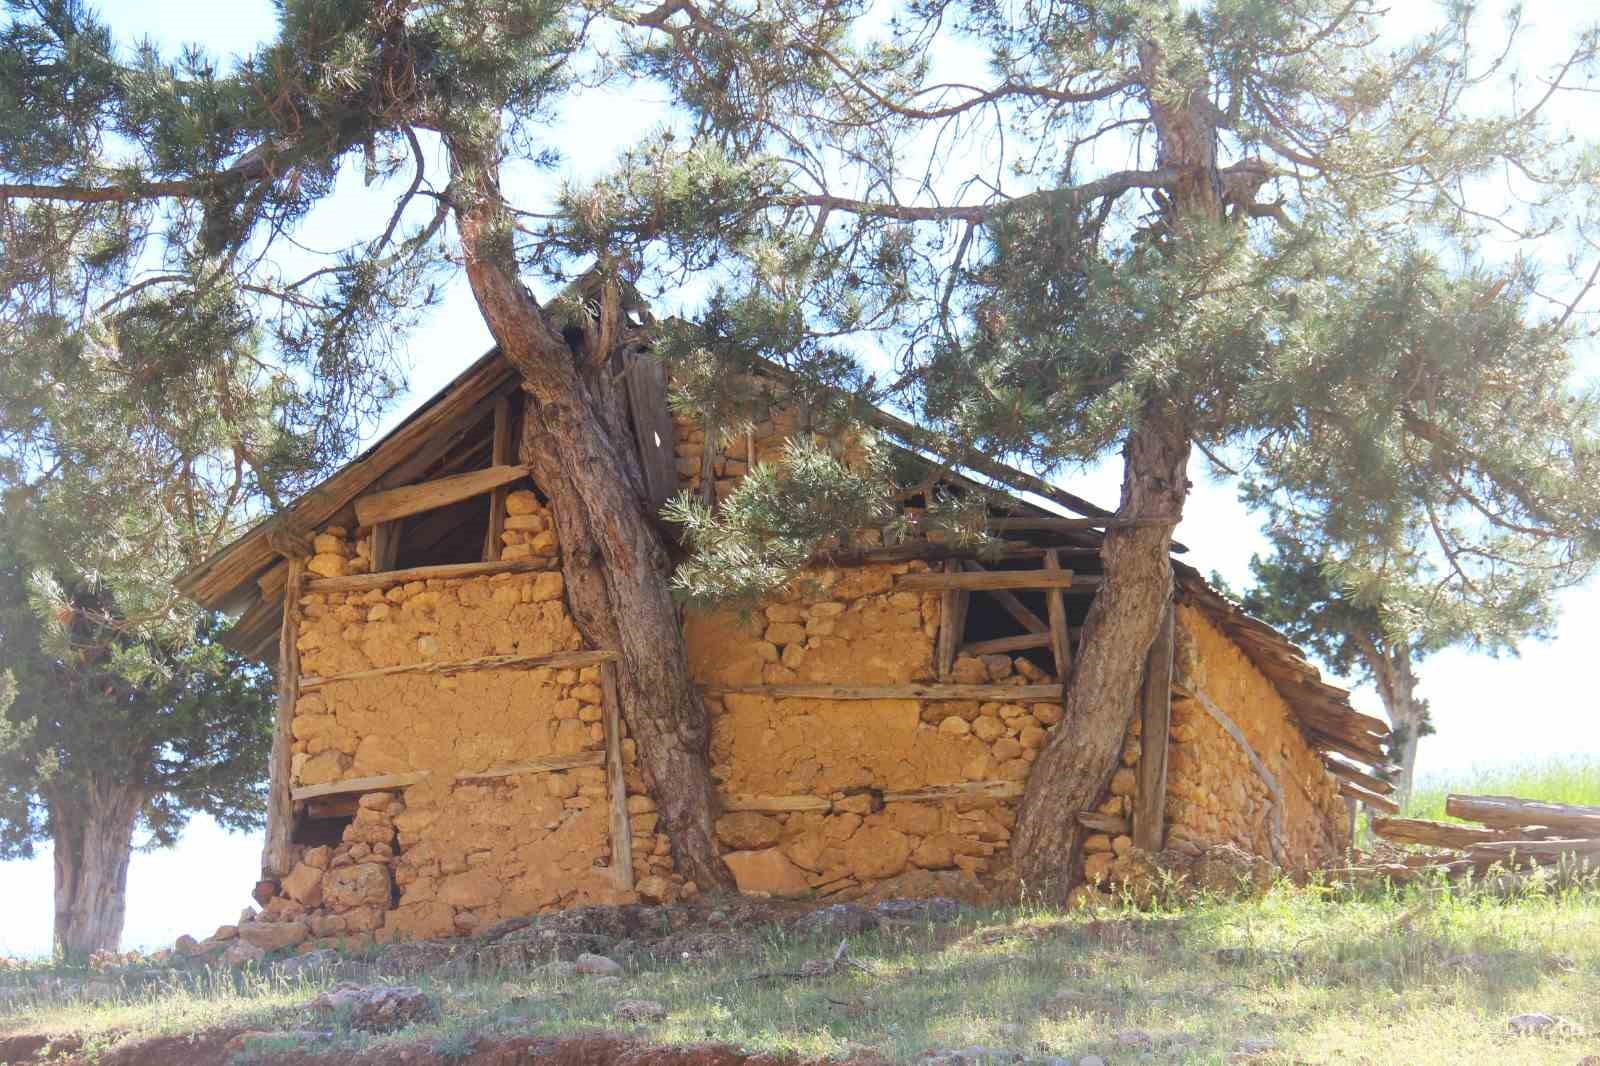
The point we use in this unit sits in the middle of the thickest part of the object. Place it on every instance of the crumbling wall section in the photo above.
(469, 843)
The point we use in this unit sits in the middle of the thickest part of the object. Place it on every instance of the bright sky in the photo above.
(1489, 712)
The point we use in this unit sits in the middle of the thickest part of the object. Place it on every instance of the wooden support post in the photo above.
(1155, 718)
(708, 470)
(1353, 809)
(1060, 635)
(385, 545)
(616, 786)
(952, 623)
(280, 807)
(504, 453)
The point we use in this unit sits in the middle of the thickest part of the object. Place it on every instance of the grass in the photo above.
(1427, 976)
(1575, 779)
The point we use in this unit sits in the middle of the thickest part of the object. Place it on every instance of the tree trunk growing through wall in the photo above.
(614, 563)
(92, 844)
(1083, 751)
(1082, 754)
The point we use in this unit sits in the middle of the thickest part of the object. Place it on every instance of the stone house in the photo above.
(449, 753)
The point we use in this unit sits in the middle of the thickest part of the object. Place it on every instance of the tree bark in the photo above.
(613, 560)
(92, 836)
(1077, 764)
(1083, 752)
(1396, 682)
(1409, 719)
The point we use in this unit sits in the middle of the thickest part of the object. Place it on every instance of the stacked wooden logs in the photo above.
(1510, 832)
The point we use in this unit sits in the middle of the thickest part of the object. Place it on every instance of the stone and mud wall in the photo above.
(453, 852)
(824, 797)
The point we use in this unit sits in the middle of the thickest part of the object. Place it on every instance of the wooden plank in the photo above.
(218, 576)
(1110, 824)
(1275, 825)
(385, 546)
(381, 783)
(729, 802)
(1338, 768)
(952, 623)
(389, 504)
(1155, 718)
(502, 453)
(1009, 602)
(997, 579)
(616, 786)
(362, 582)
(654, 430)
(548, 764)
(1371, 799)
(994, 789)
(1510, 812)
(1060, 636)
(461, 666)
(1050, 523)
(1001, 645)
(1438, 834)
(280, 807)
(708, 457)
(1542, 851)
(1009, 693)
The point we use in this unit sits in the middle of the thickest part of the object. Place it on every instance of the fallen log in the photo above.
(1509, 812)
(1451, 834)
(1536, 851)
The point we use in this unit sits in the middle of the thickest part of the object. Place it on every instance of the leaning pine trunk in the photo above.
(615, 564)
(1083, 752)
(92, 838)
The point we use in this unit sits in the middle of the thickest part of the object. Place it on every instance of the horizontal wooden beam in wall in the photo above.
(992, 789)
(730, 802)
(461, 666)
(983, 580)
(548, 764)
(999, 645)
(1371, 799)
(385, 578)
(389, 504)
(381, 783)
(1008, 693)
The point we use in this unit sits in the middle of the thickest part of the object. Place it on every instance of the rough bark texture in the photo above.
(614, 562)
(1076, 766)
(92, 839)
(1396, 682)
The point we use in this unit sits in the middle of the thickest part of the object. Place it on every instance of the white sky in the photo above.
(1489, 712)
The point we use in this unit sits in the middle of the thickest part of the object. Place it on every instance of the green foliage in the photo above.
(104, 700)
(763, 533)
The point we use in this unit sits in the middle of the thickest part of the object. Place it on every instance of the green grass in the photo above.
(1571, 780)
(1427, 976)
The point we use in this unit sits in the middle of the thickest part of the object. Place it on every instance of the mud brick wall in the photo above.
(1213, 793)
(852, 627)
(448, 854)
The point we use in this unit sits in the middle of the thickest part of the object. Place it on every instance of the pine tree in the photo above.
(171, 194)
(1246, 228)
